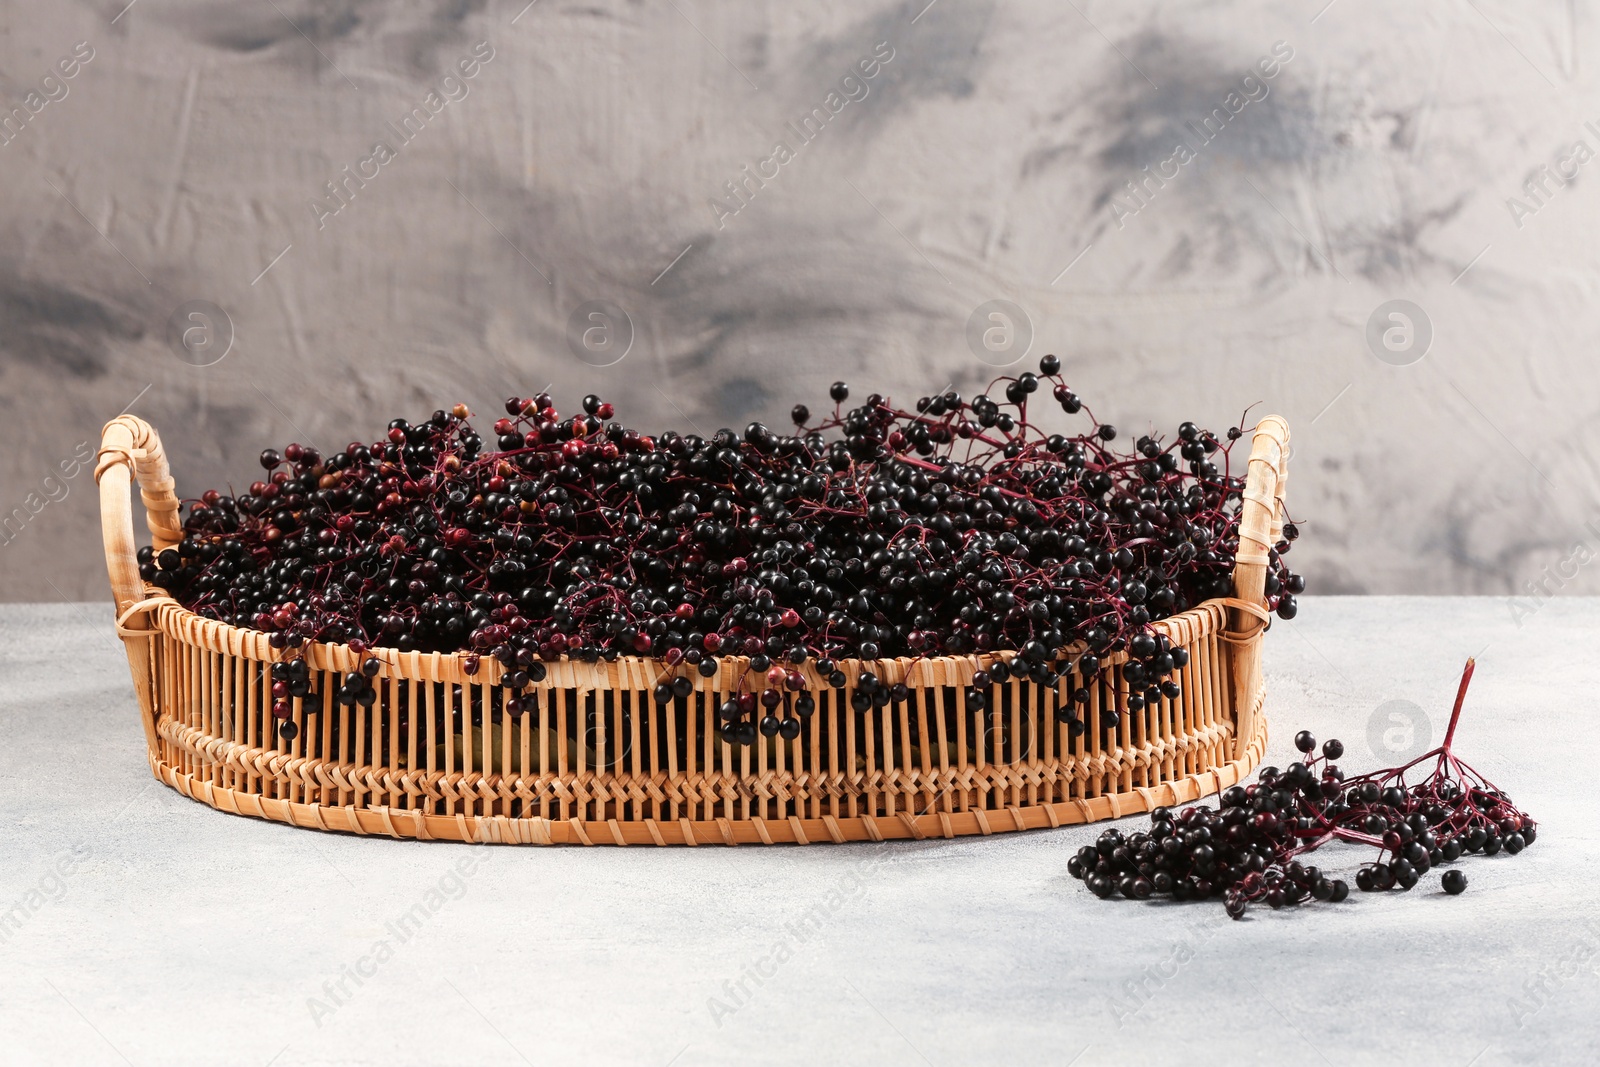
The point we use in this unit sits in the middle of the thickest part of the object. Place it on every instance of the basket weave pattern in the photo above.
(598, 762)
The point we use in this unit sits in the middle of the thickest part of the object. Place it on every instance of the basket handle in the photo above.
(1260, 525)
(131, 450)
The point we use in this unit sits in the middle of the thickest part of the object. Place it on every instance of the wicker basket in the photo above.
(599, 763)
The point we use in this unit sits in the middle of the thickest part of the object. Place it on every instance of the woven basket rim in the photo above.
(179, 622)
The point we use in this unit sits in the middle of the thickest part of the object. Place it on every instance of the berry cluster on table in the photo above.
(1249, 849)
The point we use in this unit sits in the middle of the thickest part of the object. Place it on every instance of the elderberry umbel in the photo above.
(1249, 849)
(955, 528)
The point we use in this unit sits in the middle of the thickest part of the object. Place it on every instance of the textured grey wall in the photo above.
(189, 159)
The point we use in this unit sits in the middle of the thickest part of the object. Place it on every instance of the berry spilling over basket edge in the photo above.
(885, 623)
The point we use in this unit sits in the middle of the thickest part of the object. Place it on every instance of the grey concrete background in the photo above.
(185, 936)
(984, 162)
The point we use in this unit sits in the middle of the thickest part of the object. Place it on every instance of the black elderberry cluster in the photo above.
(1202, 852)
(1247, 848)
(956, 528)
(292, 679)
(1422, 830)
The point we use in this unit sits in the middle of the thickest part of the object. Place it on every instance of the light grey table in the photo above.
(180, 935)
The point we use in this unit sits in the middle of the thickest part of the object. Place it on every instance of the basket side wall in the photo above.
(443, 753)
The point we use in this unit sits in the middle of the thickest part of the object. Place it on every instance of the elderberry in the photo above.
(1249, 847)
(961, 527)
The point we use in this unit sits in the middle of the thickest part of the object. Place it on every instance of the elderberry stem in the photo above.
(1461, 696)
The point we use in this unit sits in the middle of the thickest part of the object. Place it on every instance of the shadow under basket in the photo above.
(593, 760)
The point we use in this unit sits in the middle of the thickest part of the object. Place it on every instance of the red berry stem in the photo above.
(1461, 697)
